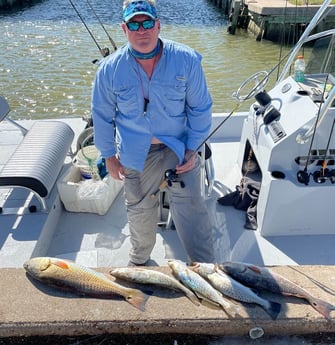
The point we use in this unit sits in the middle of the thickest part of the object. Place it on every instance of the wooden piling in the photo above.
(270, 20)
(11, 4)
(235, 13)
(226, 6)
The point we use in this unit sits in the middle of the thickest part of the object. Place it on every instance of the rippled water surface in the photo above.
(46, 67)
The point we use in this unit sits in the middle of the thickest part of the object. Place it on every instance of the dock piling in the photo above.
(269, 20)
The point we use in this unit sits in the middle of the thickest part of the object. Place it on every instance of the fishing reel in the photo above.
(170, 176)
(303, 177)
(319, 176)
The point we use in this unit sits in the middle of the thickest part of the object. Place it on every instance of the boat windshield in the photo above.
(320, 55)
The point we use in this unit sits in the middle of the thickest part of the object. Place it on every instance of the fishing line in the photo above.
(239, 104)
(315, 127)
(103, 27)
(103, 51)
(303, 176)
(324, 164)
(170, 174)
(282, 37)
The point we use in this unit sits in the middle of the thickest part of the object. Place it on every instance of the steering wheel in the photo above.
(260, 79)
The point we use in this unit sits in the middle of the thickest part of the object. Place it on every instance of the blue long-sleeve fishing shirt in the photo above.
(178, 112)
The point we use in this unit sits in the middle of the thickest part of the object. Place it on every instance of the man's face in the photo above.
(142, 40)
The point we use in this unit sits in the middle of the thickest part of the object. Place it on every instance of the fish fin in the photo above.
(194, 266)
(61, 264)
(323, 307)
(137, 298)
(206, 301)
(254, 269)
(230, 309)
(210, 304)
(193, 298)
(273, 310)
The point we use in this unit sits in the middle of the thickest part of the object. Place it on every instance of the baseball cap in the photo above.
(135, 8)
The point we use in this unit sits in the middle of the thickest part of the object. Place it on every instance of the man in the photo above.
(152, 94)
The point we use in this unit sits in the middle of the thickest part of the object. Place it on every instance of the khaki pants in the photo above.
(187, 206)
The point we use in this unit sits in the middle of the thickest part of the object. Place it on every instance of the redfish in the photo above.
(67, 275)
(263, 278)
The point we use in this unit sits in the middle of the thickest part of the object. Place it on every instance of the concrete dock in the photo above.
(28, 308)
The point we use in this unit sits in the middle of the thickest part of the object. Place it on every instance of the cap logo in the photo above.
(139, 7)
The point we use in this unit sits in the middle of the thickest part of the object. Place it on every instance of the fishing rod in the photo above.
(103, 51)
(103, 27)
(170, 175)
(320, 176)
(303, 175)
(324, 169)
(251, 92)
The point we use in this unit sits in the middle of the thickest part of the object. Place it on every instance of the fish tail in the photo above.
(193, 298)
(137, 298)
(273, 309)
(230, 309)
(323, 307)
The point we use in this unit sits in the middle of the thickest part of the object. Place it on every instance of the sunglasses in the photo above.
(146, 25)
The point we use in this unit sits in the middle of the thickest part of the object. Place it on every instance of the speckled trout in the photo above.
(200, 286)
(263, 278)
(233, 289)
(148, 276)
(67, 275)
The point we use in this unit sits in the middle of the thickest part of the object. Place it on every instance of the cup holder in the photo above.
(304, 93)
(279, 175)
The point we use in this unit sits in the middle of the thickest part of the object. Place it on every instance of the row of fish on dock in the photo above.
(220, 285)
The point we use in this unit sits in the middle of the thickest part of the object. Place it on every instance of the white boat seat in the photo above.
(38, 159)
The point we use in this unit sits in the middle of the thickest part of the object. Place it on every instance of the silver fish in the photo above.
(200, 286)
(148, 276)
(233, 289)
(263, 278)
(67, 275)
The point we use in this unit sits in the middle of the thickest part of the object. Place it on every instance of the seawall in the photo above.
(29, 308)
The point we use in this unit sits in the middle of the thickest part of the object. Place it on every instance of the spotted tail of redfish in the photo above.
(324, 308)
(137, 298)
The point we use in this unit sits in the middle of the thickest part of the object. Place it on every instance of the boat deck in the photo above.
(103, 241)
(94, 240)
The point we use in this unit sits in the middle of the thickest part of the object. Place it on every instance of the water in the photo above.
(46, 67)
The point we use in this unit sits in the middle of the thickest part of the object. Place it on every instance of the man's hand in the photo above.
(115, 168)
(188, 163)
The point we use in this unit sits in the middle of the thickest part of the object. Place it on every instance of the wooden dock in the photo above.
(271, 19)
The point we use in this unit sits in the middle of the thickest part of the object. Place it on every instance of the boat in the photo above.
(268, 176)
(284, 143)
